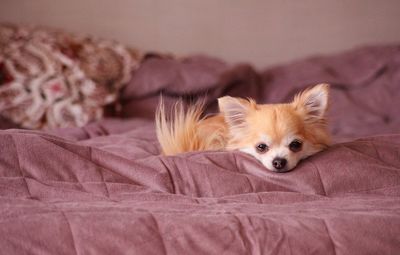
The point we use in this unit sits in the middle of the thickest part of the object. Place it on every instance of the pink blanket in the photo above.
(104, 188)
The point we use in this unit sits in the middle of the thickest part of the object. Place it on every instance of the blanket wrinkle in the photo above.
(19, 165)
(377, 158)
(373, 145)
(162, 160)
(259, 198)
(9, 187)
(254, 190)
(165, 236)
(297, 197)
(261, 249)
(78, 182)
(180, 180)
(101, 174)
(212, 191)
(90, 132)
(356, 103)
(76, 178)
(282, 239)
(57, 182)
(370, 78)
(92, 161)
(37, 183)
(128, 176)
(208, 187)
(236, 170)
(372, 189)
(71, 232)
(364, 105)
(158, 232)
(330, 236)
(243, 232)
(320, 179)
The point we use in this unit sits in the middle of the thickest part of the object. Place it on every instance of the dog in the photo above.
(278, 135)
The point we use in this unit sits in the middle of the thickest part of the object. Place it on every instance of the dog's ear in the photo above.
(235, 110)
(312, 103)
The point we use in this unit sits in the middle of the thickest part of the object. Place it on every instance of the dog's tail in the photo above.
(182, 132)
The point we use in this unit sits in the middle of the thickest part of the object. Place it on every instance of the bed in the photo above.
(104, 188)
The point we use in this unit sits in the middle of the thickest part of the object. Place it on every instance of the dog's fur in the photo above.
(269, 132)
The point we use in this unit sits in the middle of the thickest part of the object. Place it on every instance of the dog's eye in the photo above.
(262, 147)
(295, 145)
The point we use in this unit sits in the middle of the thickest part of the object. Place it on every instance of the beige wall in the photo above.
(262, 32)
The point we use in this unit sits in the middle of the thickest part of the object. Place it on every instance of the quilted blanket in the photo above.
(105, 188)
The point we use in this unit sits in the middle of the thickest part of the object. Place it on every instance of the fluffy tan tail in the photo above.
(182, 132)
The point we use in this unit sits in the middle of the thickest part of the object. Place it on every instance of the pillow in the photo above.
(52, 79)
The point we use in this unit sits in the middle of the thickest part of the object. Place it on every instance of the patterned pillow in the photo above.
(54, 79)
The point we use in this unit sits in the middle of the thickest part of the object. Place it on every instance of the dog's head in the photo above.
(278, 135)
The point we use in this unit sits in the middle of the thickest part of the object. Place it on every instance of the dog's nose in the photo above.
(279, 163)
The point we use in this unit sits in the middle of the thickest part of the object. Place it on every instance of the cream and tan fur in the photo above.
(278, 135)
